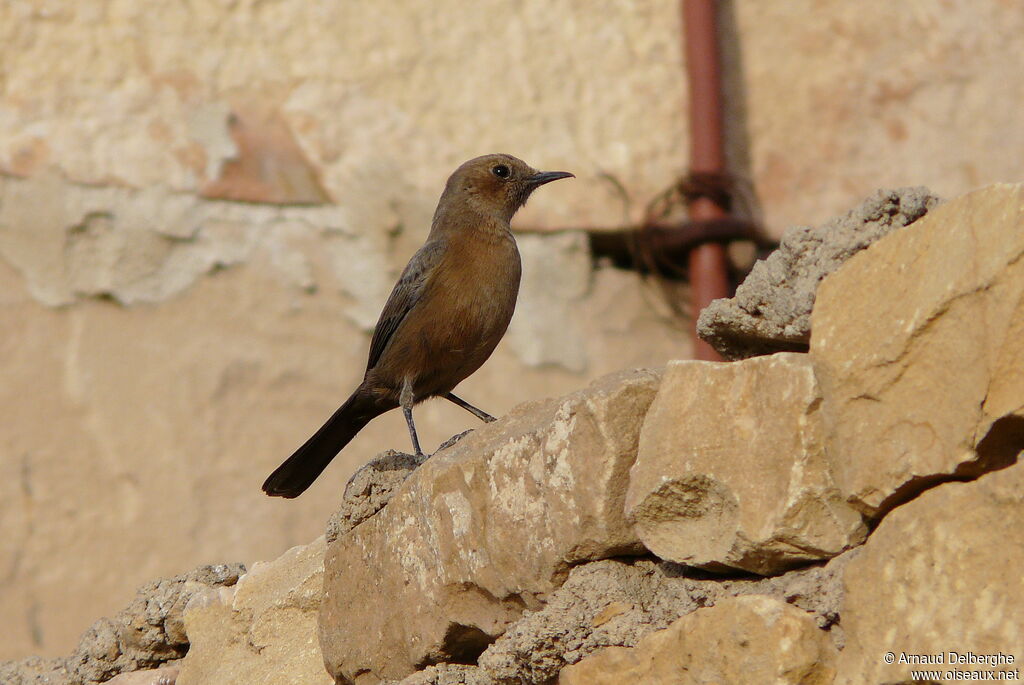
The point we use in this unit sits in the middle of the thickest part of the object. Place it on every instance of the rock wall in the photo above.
(202, 207)
(365, 106)
(771, 311)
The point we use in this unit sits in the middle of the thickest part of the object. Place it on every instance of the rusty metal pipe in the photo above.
(707, 262)
(664, 247)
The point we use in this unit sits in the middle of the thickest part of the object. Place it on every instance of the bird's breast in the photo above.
(465, 312)
(480, 281)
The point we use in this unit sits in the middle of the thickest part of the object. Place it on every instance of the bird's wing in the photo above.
(407, 292)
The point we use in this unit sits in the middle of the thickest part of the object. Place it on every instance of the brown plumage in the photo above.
(444, 317)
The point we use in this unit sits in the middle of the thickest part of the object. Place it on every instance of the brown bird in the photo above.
(444, 317)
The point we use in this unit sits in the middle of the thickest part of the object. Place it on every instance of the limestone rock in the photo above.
(449, 674)
(919, 348)
(612, 603)
(752, 639)
(939, 574)
(731, 471)
(616, 603)
(370, 488)
(165, 675)
(145, 635)
(482, 531)
(35, 670)
(373, 485)
(263, 632)
(771, 311)
(150, 631)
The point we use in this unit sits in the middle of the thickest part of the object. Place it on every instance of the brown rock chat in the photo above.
(450, 307)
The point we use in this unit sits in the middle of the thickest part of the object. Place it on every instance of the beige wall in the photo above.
(168, 336)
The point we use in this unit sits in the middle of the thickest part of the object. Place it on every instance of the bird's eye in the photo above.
(501, 171)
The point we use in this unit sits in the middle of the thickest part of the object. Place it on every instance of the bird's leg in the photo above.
(405, 398)
(482, 415)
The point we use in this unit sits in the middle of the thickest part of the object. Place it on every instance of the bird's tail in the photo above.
(298, 472)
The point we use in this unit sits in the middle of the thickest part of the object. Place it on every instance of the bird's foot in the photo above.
(452, 440)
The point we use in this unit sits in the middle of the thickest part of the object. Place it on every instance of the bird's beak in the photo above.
(543, 177)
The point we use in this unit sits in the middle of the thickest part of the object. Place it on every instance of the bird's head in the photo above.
(495, 185)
